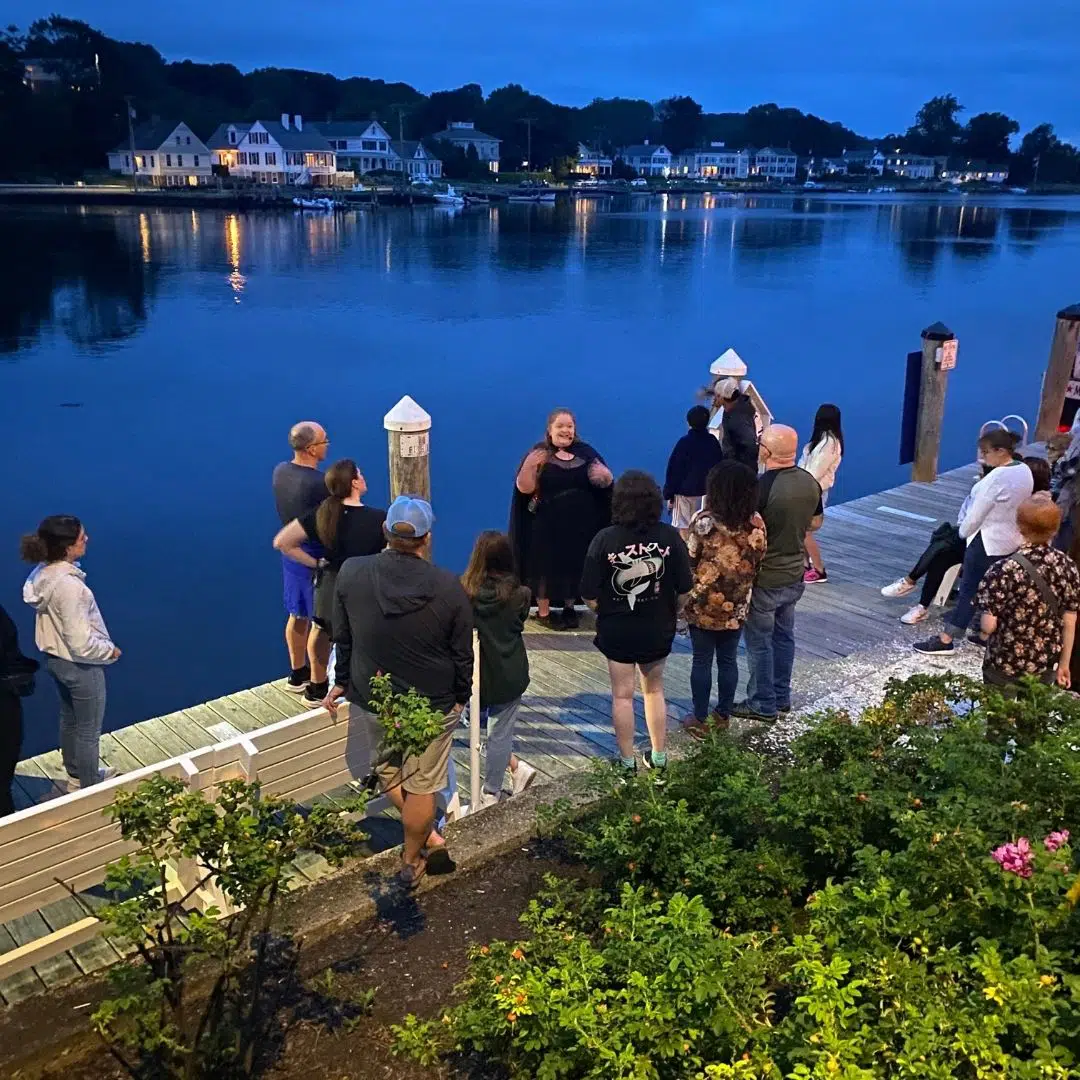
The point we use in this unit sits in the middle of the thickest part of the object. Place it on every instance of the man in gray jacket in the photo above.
(396, 614)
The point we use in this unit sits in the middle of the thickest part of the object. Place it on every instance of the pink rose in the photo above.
(1056, 840)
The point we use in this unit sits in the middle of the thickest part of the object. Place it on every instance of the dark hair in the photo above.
(999, 439)
(551, 420)
(636, 501)
(827, 422)
(1040, 473)
(491, 561)
(698, 418)
(51, 541)
(339, 482)
(731, 494)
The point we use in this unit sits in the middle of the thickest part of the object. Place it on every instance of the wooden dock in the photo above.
(566, 719)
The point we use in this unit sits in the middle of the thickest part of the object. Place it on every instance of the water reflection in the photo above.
(92, 274)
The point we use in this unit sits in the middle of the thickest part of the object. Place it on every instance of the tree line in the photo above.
(66, 128)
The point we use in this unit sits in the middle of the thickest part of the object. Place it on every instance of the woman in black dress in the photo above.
(562, 498)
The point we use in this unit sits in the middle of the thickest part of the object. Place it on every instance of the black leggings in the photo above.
(935, 565)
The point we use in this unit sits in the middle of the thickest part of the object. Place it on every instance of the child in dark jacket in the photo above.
(500, 608)
(694, 455)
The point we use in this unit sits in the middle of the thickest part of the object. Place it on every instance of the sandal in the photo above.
(437, 861)
(410, 877)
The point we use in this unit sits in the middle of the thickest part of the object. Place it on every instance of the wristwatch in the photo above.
(322, 564)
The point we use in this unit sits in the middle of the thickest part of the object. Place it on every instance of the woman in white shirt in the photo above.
(988, 525)
(821, 458)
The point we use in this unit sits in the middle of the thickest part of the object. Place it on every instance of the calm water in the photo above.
(151, 364)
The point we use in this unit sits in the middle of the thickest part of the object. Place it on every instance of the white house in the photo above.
(415, 160)
(592, 161)
(775, 164)
(714, 161)
(360, 145)
(275, 152)
(167, 154)
(960, 171)
(647, 160)
(463, 134)
(910, 166)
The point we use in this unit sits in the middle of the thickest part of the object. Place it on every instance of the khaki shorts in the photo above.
(423, 775)
(684, 508)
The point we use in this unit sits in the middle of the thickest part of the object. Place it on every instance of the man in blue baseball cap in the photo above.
(396, 614)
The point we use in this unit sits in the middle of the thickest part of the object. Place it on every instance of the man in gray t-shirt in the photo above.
(790, 503)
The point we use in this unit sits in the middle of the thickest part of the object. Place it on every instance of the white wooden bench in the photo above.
(55, 848)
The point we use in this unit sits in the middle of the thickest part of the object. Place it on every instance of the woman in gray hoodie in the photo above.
(71, 633)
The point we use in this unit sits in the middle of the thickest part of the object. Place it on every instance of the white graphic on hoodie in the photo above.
(638, 569)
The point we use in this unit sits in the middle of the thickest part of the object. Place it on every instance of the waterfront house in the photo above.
(39, 75)
(775, 164)
(167, 154)
(646, 159)
(463, 134)
(964, 171)
(869, 160)
(274, 152)
(714, 161)
(360, 145)
(415, 160)
(593, 162)
(909, 166)
(830, 166)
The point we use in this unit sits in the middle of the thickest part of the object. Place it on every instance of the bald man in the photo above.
(299, 487)
(790, 503)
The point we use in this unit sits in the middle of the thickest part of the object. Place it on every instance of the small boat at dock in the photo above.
(449, 197)
(313, 204)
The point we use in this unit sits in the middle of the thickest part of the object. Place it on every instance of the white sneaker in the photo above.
(522, 776)
(898, 588)
(487, 799)
(915, 615)
(75, 784)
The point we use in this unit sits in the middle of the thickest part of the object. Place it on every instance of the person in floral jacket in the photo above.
(1029, 602)
(727, 542)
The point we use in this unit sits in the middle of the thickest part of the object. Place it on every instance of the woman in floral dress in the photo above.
(727, 542)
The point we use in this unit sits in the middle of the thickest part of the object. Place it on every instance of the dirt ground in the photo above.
(411, 958)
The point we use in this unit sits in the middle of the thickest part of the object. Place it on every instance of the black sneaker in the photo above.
(316, 692)
(298, 679)
(933, 645)
(977, 639)
(783, 710)
(744, 712)
(570, 619)
(622, 770)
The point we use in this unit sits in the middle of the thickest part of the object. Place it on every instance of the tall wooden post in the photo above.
(1064, 357)
(938, 357)
(408, 427)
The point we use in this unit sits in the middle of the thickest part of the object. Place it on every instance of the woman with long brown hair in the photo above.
(500, 607)
(346, 529)
(562, 498)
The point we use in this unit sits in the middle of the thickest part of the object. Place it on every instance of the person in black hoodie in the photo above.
(691, 459)
(739, 423)
(396, 614)
(16, 681)
(500, 607)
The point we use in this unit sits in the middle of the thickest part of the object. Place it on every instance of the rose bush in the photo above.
(897, 900)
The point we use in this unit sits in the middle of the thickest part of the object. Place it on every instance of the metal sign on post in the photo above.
(414, 444)
(945, 356)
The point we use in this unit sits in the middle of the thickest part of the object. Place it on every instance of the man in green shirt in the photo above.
(790, 503)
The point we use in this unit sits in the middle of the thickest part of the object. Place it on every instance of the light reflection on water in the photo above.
(191, 340)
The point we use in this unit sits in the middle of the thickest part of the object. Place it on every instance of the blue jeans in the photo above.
(770, 647)
(724, 646)
(499, 747)
(82, 711)
(976, 563)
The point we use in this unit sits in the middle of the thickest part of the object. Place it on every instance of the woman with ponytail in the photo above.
(70, 631)
(345, 528)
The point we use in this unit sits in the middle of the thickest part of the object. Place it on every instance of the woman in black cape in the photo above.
(562, 498)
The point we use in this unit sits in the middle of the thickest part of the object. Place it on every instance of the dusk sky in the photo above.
(868, 65)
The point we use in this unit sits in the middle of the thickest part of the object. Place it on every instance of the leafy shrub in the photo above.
(244, 845)
(940, 938)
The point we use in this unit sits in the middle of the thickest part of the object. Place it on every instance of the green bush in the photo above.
(897, 901)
